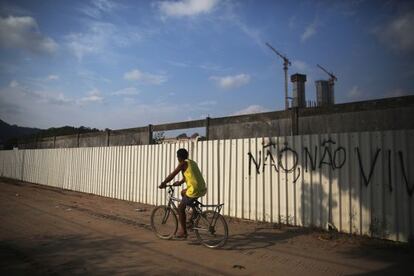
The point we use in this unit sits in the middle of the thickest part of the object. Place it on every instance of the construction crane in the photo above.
(332, 78)
(286, 63)
(331, 82)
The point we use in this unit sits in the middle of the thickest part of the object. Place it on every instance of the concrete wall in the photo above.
(99, 139)
(137, 136)
(46, 143)
(366, 120)
(68, 141)
(382, 114)
(249, 126)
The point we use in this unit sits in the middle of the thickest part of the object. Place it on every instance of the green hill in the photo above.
(10, 135)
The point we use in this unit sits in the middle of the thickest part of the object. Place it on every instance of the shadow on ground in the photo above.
(263, 237)
(72, 254)
(399, 257)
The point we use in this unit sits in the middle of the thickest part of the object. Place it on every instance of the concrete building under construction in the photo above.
(299, 97)
(325, 95)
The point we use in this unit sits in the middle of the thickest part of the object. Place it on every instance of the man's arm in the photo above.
(179, 183)
(172, 175)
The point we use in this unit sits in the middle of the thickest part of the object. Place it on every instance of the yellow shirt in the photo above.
(196, 186)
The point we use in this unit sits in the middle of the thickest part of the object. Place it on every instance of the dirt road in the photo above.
(47, 231)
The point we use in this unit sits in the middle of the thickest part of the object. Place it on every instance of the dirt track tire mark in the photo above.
(110, 217)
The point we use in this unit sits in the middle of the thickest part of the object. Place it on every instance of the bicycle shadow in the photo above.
(257, 237)
(263, 237)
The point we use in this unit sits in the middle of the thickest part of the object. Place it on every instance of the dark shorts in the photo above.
(188, 201)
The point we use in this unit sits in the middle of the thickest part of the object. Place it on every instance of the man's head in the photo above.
(182, 154)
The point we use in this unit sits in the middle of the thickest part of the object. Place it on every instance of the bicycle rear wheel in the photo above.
(164, 222)
(211, 229)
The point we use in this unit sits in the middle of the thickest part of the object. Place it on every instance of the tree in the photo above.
(158, 137)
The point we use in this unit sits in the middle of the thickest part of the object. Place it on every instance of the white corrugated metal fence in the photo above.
(359, 182)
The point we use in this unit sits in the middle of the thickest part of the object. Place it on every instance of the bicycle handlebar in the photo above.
(167, 186)
(170, 188)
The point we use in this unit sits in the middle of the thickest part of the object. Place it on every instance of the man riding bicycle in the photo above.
(196, 186)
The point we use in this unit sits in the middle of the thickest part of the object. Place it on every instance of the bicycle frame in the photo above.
(170, 204)
(204, 222)
(196, 206)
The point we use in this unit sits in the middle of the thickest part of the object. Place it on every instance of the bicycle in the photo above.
(209, 226)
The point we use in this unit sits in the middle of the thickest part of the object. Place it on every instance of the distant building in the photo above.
(324, 93)
(181, 139)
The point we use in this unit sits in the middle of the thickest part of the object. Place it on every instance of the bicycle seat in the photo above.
(195, 203)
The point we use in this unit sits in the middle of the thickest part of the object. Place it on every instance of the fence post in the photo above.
(208, 128)
(108, 133)
(150, 132)
(22, 172)
(294, 118)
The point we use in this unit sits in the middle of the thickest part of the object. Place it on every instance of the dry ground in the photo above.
(46, 231)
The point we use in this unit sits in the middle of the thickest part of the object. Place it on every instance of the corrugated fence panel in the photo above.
(357, 182)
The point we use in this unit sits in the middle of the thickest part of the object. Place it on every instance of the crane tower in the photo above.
(286, 63)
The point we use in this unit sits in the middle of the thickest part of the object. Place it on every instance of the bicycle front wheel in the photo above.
(211, 229)
(164, 222)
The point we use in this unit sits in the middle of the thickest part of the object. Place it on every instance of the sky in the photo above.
(123, 64)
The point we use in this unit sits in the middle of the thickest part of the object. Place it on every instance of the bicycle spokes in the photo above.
(165, 217)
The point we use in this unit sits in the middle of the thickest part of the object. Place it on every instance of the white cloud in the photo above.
(99, 38)
(92, 96)
(137, 75)
(300, 65)
(99, 7)
(292, 22)
(179, 64)
(129, 91)
(230, 82)
(310, 31)
(207, 103)
(46, 107)
(251, 109)
(22, 106)
(52, 77)
(93, 41)
(208, 66)
(52, 97)
(355, 92)
(39, 96)
(23, 33)
(13, 84)
(42, 95)
(186, 7)
(212, 67)
(91, 76)
(398, 34)
(254, 34)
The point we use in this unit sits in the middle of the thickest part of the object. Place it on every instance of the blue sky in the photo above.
(121, 64)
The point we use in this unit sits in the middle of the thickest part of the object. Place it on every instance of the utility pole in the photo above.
(286, 63)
